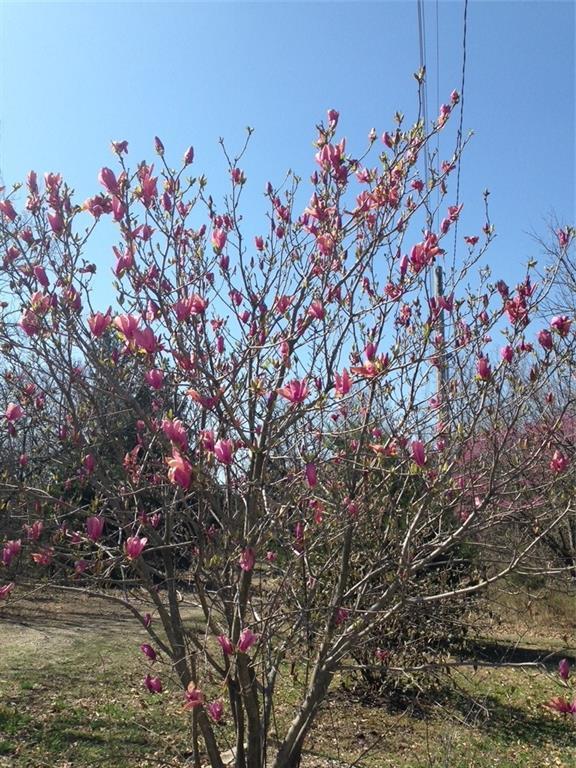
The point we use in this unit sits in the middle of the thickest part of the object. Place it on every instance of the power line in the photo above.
(459, 138)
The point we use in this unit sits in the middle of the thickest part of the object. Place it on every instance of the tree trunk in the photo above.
(290, 752)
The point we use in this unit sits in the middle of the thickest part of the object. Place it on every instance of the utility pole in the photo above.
(442, 368)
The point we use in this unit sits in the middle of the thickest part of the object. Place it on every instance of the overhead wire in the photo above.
(460, 127)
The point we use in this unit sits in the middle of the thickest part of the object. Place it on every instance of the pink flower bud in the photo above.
(564, 669)
(219, 239)
(148, 651)
(226, 644)
(545, 340)
(483, 369)
(94, 527)
(108, 180)
(134, 546)
(13, 412)
(193, 697)
(333, 116)
(153, 684)
(507, 353)
(7, 209)
(189, 156)
(215, 710)
(418, 453)
(56, 223)
(311, 475)
(247, 559)
(224, 451)
(179, 470)
(561, 324)
(89, 463)
(5, 590)
(558, 463)
(246, 640)
(154, 378)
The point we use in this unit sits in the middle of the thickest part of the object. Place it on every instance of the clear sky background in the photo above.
(75, 75)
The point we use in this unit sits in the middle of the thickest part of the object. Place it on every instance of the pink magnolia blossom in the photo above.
(418, 453)
(564, 669)
(134, 547)
(559, 704)
(558, 463)
(189, 156)
(247, 559)
(146, 341)
(99, 323)
(246, 640)
(224, 451)
(483, 369)
(147, 190)
(13, 412)
(41, 276)
(118, 209)
(179, 470)
(219, 238)
(107, 178)
(341, 617)
(203, 400)
(148, 651)
(545, 340)
(43, 556)
(507, 353)
(295, 391)
(226, 644)
(34, 531)
(127, 325)
(94, 527)
(124, 261)
(29, 322)
(153, 684)
(215, 710)
(56, 222)
(316, 310)
(5, 590)
(311, 474)
(370, 350)
(238, 176)
(563, 236)
(342, 383)
(175, 431)
(7, 209)
(371, 368)
(89, 463)
(10, 550)
(561, 324)
(154, 378)
(191, 306)
(333, 116)
(206, 437)
(282, 304)
(193, 697)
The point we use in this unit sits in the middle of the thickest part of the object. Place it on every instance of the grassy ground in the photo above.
(71, 696)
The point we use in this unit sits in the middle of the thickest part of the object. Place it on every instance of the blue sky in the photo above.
(75, 75)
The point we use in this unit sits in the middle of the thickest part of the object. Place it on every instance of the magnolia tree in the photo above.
(257, 418)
